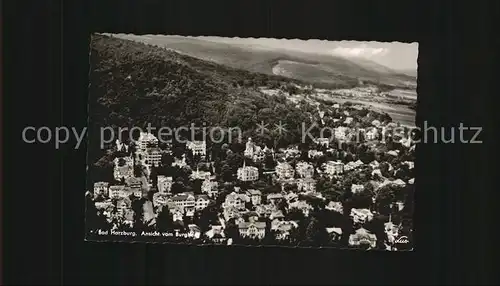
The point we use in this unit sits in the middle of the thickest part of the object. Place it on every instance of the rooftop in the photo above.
(259, 225)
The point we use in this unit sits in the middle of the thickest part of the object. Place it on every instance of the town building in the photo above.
(120, 146)
(147, 140)
(363, 237)
(371, 134)
(394, 153)
(276, 215)
(160, 199)
(235, 200)
(181, 163)
(304, 170)
(399, 183)
(340, 133)
(152, 157)
(231, 212)
(306, 185)
(247, 173)
(254, 152)
(334, 168)
(122, 205)
(209, 187)
(400, 205)
(252, 229)
(194, 231)
(322, 141)
(335, 233)
(376, 173)
(197, 147)
(291, 152)
(202, 202)
(255, 196)
(118, 191)
(353, 165)
(184, 200)
(391, 230)
(312, 154)
(105, 205)
(301, 205)
(164, 184)
(291, 197)
(135, 185)
(274, 197)
(355, 188)
(250, 148)
(335, 206)
(264, 210)
(410, 164)
(123, 168)
(361, 215)
(200, 175)
(177, 214)
(285, 171)
(101, 188)
(282, 229)
(215, 232)
(406, 142)
(374, 164)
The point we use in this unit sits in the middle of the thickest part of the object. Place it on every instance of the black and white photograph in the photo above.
(207, 140)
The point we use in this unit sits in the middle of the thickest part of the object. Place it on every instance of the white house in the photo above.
(200, 175)
(197, 147)
(357, 188)
(117, 192)
(254, 152)
(164, 184)
(234, 200)
(371, 134)
(335, 206)
(123, 168)
(272, 198)
(152, 157)
(210, 188)
(363, 236)
(304, 170)
(334, 167)
(147, 140)
(361, 215)
(314, 153)
(255, 196)
(101, 188)
(322, 141)
(252, 229)
(184, 200)
(340, 132)
(202, 202)
(285, 170)
(306, 185)
(247, 173)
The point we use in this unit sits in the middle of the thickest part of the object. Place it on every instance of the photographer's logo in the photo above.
(402, 240)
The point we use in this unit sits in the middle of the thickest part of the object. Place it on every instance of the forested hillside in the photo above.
(133, 84)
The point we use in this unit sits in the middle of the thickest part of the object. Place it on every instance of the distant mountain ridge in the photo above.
(323, 70)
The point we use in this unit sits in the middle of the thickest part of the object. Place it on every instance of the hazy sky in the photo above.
(395, 55)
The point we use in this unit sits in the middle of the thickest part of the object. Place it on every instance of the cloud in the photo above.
(360, 51)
